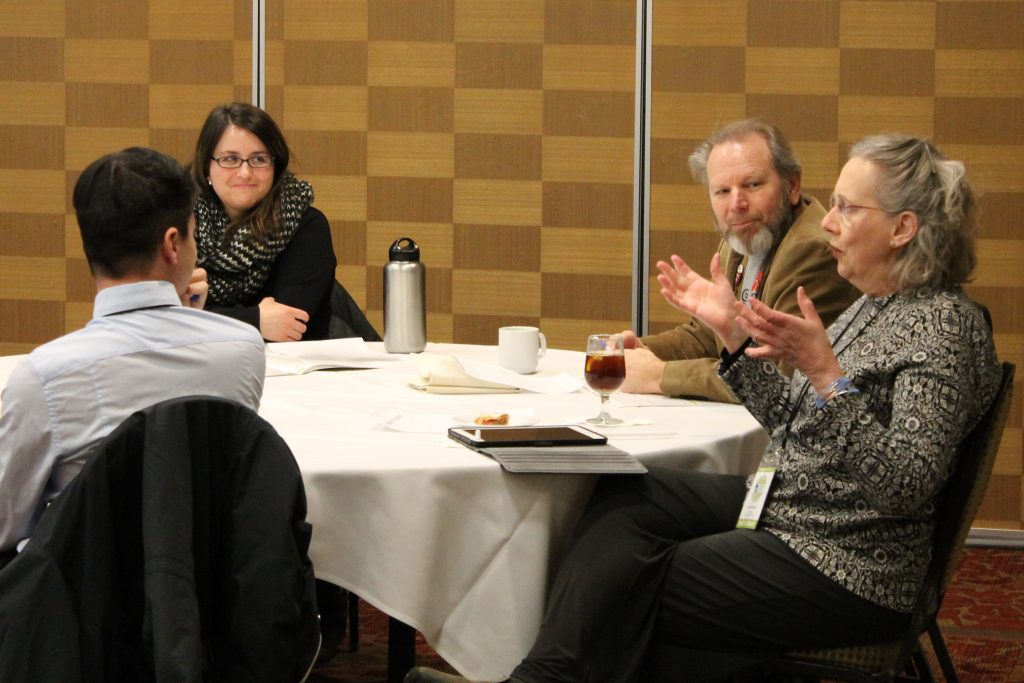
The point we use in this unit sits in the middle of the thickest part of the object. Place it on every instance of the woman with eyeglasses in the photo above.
(267, 251)
(681, 575)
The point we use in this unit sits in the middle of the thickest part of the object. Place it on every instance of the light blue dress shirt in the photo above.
(141, 347)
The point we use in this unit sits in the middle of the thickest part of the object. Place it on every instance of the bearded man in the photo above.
(772, 243)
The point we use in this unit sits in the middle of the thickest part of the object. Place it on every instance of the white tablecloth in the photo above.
(439, 536)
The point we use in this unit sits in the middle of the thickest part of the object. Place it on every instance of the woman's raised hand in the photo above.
(799, 341)
(711, 301)
(281, 323)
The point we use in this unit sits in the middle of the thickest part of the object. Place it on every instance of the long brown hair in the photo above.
(264, 215)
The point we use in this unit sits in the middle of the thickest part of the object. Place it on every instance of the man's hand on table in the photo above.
(644, 371)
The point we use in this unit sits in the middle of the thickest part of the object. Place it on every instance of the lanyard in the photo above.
(838, 352)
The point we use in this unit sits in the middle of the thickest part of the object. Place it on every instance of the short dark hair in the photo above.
(258, 122)
(125, 202)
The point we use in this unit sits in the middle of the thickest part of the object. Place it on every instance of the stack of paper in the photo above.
(442, 374)
(298, 358)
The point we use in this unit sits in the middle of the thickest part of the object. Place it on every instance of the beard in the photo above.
(764, 238)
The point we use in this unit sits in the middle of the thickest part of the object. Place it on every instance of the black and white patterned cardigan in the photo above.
(857, 481)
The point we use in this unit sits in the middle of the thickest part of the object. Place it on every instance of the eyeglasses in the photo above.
(255, 161)
(847, 210)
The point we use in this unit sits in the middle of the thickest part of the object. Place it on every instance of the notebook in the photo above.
(603, 459)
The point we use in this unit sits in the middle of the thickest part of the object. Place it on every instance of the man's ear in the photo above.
(169, 245)
(794, 189)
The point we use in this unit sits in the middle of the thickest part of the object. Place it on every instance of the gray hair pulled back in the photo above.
(914, 176)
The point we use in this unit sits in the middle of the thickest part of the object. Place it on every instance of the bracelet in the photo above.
(837, 387)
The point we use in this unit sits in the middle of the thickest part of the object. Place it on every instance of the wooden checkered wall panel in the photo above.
(80, 79)
(496, 133)
(829, 73)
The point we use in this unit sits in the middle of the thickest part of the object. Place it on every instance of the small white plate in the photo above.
(513, 420)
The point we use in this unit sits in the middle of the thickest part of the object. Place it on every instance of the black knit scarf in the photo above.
(237, 267)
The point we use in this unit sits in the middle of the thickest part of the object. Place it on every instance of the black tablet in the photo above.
(552, 435)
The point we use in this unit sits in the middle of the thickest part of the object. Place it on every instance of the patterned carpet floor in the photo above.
(982, 620)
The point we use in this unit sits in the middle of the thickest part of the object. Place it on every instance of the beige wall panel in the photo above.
(591, 159)
(973, 24)
(1000, 262)
(435, 241)
(486, 292)
(34, 18)
(33, 278)
(439, 328)
(341, 197)
(793, 23)
(499, 21)
(518, 66)
(979, 73)
(411, 64)
(354, 280)
(1008, 458)
(207, 62)
(699, 22)
(31, 322)
(319, 20)
(885, 25)
(106, 61)
(571, 295)
(426, 20)
(672, 204)
(191, 20)
(72, 238)
(172, 106)
(242, 62)
(862, 116)
(991, 168)
(76, 315)
(693, 115)
(820, 161)
(82, 146)
(274, 63)
(794, 71)
(31, 59)
(567, 333)
(588, 205)
(324, 62)
(497, 247)
(498, 157)
(595, 252)
(589, 67)
(31, 147)
(410, 154)
(325, 108)
(502, 202)
(516, 112)
(32, 104)
(32, 191)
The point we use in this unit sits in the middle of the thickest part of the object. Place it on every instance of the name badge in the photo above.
(757, 494)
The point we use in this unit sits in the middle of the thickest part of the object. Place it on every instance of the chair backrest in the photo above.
(179, 553)
(960, 501)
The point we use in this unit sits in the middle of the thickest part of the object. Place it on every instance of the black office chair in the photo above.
(347, 319)
(904, 660)
(179, 553)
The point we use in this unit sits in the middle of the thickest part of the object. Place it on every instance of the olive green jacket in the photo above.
(692, 350)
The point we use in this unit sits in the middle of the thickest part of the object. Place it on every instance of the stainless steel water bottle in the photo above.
(405, 302)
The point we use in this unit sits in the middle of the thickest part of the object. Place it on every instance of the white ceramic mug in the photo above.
(520, 348)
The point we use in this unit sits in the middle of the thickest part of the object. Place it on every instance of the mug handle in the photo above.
(543, 345)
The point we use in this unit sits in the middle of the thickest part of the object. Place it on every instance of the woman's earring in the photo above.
(209, 181)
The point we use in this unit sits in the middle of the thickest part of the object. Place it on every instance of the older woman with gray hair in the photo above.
(828, 543)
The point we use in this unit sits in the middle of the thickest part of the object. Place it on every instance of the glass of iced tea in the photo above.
(605, 370)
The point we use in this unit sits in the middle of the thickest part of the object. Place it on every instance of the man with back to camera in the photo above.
(772, 243)
(147, 341)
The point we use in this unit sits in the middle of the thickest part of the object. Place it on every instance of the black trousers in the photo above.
(658, 584)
